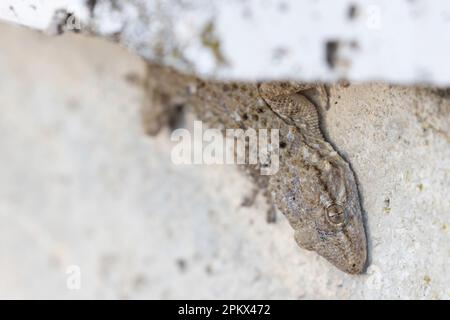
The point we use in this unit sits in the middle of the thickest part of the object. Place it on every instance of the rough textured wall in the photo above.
(80, 184)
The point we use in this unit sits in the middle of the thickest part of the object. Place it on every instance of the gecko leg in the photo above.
(159, 109)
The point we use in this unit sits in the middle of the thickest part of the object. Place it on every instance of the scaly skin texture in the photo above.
(314, 187)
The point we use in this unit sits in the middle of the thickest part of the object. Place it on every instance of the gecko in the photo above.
(314, 187)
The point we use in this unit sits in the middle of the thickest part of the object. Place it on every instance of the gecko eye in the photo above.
(335, 214)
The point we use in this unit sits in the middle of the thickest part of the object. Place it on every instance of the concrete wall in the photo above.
(81, 185)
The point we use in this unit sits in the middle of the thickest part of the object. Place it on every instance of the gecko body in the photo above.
(314, 187)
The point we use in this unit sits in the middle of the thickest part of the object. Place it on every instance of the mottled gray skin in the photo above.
(314, 187)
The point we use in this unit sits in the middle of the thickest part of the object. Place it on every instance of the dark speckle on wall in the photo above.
(352, 12)
(331, 48)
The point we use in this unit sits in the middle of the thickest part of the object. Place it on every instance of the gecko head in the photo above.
(336, 232)
(325, 212)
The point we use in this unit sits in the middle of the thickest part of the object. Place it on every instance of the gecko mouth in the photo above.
(352, 264)
(356, 256)
(346, 250)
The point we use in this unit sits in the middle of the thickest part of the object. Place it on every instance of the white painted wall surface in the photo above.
(397, 41)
